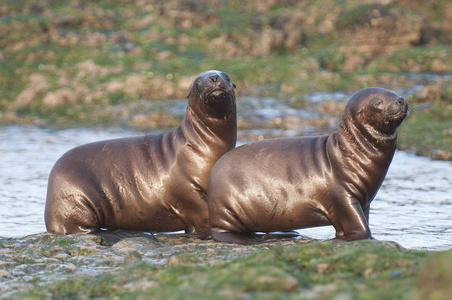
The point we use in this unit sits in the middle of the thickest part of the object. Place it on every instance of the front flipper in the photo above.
(235, 237)
(114, 236)
(350, 222)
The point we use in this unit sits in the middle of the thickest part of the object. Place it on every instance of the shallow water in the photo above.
(413, 207)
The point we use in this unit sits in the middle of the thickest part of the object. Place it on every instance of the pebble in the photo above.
(142, 285)
(70, 267)
(61, 256)
(5, 274)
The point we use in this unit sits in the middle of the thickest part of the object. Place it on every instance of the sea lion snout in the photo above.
(400, 105)
(399, 110)
(214, 78)
(218, 80)
(401, 101)
(215, 83)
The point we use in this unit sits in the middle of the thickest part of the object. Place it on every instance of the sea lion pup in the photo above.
(151, 183)
(291, 183)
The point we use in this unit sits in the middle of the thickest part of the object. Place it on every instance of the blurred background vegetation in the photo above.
(111, 63)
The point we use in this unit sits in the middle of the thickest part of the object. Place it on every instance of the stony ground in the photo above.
(83, 267)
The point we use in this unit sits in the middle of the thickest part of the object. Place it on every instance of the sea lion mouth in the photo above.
(217, 92)
(400, 113)
(218, 95)
(397, 117)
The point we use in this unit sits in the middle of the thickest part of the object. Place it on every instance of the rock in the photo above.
(153, 120)
(142, 285)
(319, 291)
(434, 280)
(136, 244)
(184, 258)
(287, 284)
(115, 86)
(87, 68)
(134, 255)
(135, 84)
(36, 86)
(59, 97)
(189, 14)
(322, 268)
(70, 267)
(5, 274)
(25, 98)
(164, 55)
(370, 30)
(368, 272)
(61, 256)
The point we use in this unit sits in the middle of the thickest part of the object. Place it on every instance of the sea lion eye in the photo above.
(379, 104)
(228, 79)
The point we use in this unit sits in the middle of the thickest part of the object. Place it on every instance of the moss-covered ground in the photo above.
(83, 267)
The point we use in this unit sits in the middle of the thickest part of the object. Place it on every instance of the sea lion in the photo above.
(152, 183)
(285, 184)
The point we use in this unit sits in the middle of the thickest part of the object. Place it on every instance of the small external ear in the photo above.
(233, 84)
(194, 85)
(190, 90)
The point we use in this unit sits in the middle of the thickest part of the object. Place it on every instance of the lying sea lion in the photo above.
(285, 184)
(153, 183)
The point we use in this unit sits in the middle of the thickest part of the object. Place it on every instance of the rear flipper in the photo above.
(201, 236)
(235, 237)
(114, 236)
(280, 235)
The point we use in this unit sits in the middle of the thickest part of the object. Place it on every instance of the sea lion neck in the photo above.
(366, 154)
(209, 130)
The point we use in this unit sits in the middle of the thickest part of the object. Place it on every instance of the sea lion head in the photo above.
(378, 110)
(213, 92)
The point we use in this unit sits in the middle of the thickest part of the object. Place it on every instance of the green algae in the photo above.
(57, 239)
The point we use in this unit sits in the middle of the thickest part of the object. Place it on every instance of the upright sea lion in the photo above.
(291, 183)
(152, 183)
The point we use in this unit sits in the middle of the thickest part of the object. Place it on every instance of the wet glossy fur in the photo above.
(291, 183)
(152, 183)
